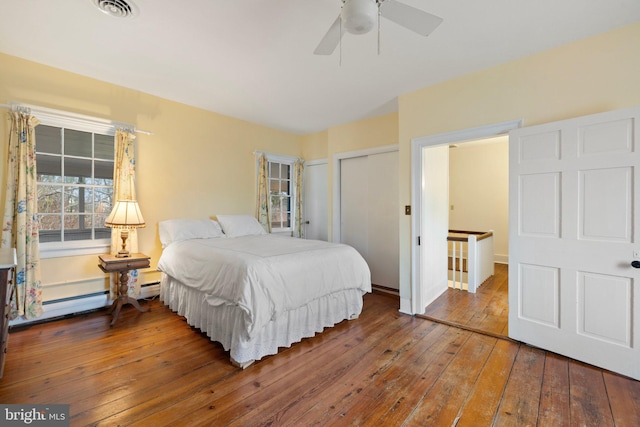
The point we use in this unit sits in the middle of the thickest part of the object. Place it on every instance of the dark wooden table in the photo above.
(112, 264)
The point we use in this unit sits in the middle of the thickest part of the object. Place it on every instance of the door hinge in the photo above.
(418, 240)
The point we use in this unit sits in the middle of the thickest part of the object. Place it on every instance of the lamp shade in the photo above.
(125, 214)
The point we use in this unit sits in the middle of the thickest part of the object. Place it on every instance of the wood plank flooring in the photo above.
(383, 369)
(487, 310)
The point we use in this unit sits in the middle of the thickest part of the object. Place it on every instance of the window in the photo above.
(280, 189)
(74, 161)
(74, 184)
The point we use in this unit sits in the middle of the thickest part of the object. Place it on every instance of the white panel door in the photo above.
(434, 225)
(316, 214)
(574, 231)
(354, 210)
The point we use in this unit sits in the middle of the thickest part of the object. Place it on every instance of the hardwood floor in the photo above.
(487, 310)
(383, 369)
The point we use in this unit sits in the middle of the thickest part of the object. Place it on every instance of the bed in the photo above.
(254, 292)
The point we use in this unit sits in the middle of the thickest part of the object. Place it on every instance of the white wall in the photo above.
(479, 190)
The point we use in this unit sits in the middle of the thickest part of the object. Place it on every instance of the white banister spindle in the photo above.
(461, 263)
(453, 263)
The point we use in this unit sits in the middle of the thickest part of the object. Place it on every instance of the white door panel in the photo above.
(369, 213)
(354, 212)
(434, 224)
(316, 214)
(574, 214)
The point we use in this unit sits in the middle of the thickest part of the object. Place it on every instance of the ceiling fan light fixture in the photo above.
(359, 16)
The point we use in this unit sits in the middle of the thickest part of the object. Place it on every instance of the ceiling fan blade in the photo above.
(330, 40)
(409, 17)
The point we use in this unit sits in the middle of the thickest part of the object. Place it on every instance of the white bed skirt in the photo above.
(224, 323)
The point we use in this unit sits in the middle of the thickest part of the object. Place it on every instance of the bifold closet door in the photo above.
(354, 210)
(370, 213)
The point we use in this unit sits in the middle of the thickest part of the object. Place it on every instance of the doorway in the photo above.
(478, 200)
(428, 284)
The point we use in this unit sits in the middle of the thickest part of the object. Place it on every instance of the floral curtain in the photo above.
(263, 201)
(20, 226)
(298, 175)
(124, 189)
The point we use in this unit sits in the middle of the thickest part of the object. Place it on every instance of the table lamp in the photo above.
(125, 216)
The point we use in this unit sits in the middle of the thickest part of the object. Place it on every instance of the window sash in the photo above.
(91, 171)
(281, 195)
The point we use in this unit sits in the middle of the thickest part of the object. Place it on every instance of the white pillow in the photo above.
(240, 225)
(177, 230)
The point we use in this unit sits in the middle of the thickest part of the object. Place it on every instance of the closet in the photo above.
(369, 213)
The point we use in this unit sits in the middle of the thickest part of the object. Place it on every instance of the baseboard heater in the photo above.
(80, 304)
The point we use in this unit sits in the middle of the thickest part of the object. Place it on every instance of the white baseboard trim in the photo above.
(81, 304)
(405, 306)
(64, 308)
(501, 259)
(150, 291)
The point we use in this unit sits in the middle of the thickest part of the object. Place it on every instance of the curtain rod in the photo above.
(277, 156)
(27, 110)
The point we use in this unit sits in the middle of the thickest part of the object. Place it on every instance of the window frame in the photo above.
(78, 122)
(290, 161)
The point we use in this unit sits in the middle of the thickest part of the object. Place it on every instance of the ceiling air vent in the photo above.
(117, 8)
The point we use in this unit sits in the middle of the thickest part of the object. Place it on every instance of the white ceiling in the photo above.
(253, 59)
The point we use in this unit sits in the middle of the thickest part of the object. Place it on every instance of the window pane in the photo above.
(103, 148)
(285, 171)
(102, 233)
(274, 170)
(77, 171)
(49, 199)
(103, 172)
(71, 201)
(50, 236)
(276, 210)
(49, 223)
(48, 139)
(49, 168)
(99, 222)
(77, 143)
(77, 227)
(86, 199)
(274, 186)
(103, 198)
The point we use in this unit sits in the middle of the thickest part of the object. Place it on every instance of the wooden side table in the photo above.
(112, 264)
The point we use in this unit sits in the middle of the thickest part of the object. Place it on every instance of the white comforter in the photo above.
(264, 275)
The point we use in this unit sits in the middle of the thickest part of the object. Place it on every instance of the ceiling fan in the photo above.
(359, 17)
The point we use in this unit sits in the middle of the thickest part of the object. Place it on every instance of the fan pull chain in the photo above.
(340, 60)
(378, 29)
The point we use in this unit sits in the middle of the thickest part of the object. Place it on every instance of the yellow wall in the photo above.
(314, 146)
(196, 164)
(592, 75)
(479, 190)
